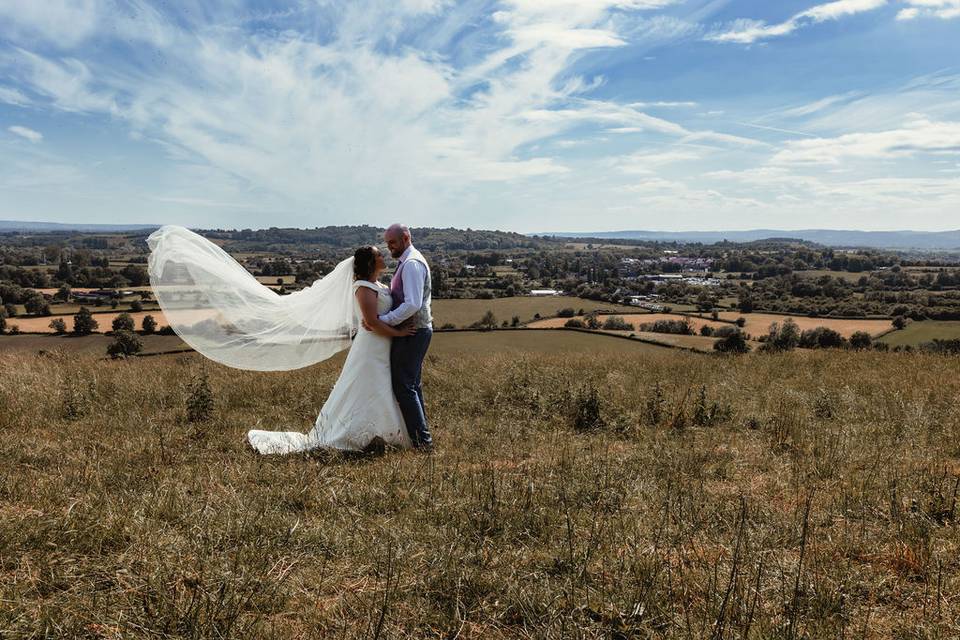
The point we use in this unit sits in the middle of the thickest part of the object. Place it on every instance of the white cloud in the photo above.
(749, 31)
(27, 133)
(12, 96)
(943, 9)
(917, 136)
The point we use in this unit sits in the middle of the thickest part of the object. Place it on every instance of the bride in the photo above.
(361, 407)
(220, 309)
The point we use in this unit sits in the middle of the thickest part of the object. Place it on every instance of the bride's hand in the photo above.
(406, 328)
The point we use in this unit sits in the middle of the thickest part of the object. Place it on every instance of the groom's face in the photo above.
(396, 243)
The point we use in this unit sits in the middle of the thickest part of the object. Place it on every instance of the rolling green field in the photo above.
(464, 312)
(917, 333)
(781, 496)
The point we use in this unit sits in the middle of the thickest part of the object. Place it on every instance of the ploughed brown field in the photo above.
(617, 494)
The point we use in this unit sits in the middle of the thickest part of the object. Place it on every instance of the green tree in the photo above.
(735, 342)
(136, 306)
(36, 305)
(149, 325)
(59, 326)
(123, 322)
(861, 340)
(125, 343)
(83, 322)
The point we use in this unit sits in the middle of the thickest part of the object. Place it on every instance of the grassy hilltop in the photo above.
(798, 495)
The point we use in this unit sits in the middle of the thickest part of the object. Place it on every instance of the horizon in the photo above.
(485, 114)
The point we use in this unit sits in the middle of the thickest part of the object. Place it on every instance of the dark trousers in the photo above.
(406, 365)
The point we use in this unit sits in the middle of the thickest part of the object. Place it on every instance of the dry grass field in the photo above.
(807, 496)
(464, 312)
(635, 319)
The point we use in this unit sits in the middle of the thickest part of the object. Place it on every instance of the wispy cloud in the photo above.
(749, 31)
(943, 9)
(25, 132)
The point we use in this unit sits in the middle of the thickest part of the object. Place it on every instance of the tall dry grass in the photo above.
(569, 497)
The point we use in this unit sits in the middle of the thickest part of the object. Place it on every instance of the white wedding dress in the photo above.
(361, 405)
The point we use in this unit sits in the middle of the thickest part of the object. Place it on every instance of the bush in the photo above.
(14, 330)
(736, 342)
(36, 305)
(3, 323)
(587, 410)
(741, 322)
(706, 330)
(821, 338)
(123, 322)
(136, 306)
(58, 325)
(83, 323)
(447, 326)
(10, 309)
(566, 313)
(149, 325)
(487, 323)
(679, 327)
(200, 399)
(573, 323)
(166, 330)
(592, 322)
(861, 340)
(900, 322)
(125, 343)
(782, 337)
(515, 321)
(616, 323)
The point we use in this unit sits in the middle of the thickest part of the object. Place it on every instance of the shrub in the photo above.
(736, 342)
(3, 323)
(821, 338)
(782, 337)
(515, 321)
(592, 322)
(58, 325)
(37, 305)
(200, 402)
(123, 322)
(487, 323)
(83, 323)
(14, 330)
(679, 327)
(574, 323)
(167, 330)
(149, 325)
(616, 323)
(447, 326)
(861, 340)
(136, 306)
(587, 410)
(654, 406)
(706, 330)
(708, 414)
(900, 322)
(10, 309)
(568, 312)
(741, 322)
(125, 343)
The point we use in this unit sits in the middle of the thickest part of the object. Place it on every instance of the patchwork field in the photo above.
(104, 320)
(636, 319)
(916, 333)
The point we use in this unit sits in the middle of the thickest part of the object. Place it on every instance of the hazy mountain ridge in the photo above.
(21, 225)
(931, 240)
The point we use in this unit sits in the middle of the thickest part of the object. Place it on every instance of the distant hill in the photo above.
(26, 225)
(930, 240)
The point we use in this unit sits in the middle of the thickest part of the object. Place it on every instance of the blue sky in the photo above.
(529, 115)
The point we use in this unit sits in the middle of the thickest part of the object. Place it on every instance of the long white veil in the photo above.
(218, 308)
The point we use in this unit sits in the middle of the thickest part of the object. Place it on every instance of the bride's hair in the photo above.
(364, 263)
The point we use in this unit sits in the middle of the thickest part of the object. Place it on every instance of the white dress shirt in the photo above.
(412, 277)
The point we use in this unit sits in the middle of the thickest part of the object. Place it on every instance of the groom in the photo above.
(410, 290)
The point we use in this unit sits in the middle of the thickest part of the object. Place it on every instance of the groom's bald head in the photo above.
(397, 237)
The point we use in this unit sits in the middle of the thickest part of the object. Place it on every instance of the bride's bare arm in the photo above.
(368, 307)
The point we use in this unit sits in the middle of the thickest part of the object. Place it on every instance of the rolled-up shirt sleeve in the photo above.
(412, 278)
